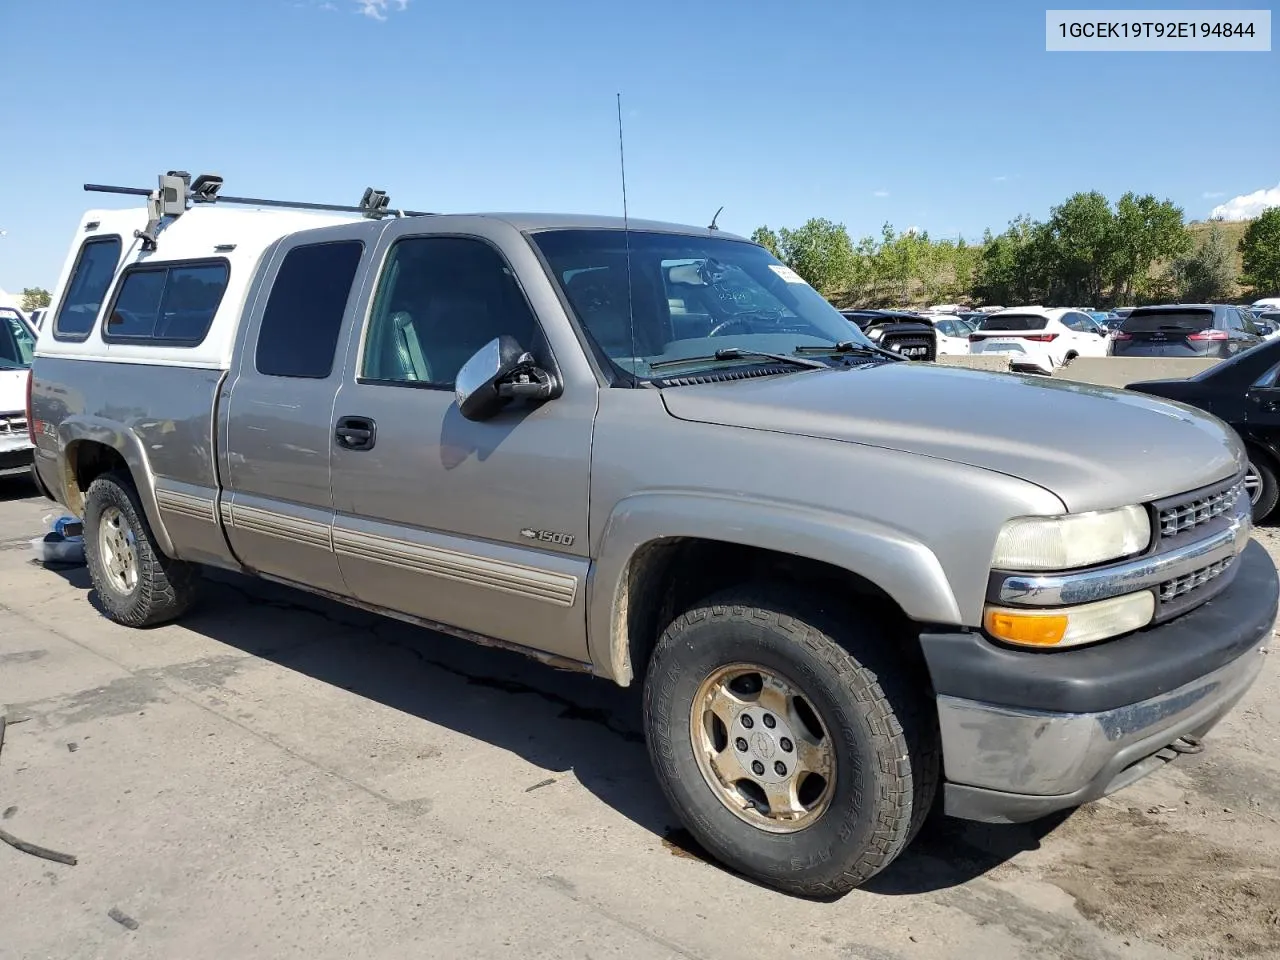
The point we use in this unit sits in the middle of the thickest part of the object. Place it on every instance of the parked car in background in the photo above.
(973, 317)
(945, 308)
(1185, 330)
(1123, 312)
(1039, 339)
(908, 334)
(953, 334)
(36, 317)
(17, 345)
(1245, 392)
(1268, 323)
(1266, 303)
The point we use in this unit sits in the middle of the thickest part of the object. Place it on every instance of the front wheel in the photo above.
(793, 744)
(1261, 484)
(137, 585)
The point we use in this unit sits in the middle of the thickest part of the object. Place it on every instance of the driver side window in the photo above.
(439, 300)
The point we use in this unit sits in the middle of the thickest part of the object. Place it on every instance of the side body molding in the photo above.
(901, 566)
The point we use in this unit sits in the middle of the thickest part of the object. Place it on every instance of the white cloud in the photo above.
(880, 193)
(1000, 179)
(1213, 194)
(378, 9)
(1248, 205)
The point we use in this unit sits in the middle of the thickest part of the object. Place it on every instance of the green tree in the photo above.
(821, 252)
(1008, 270)
(1074, 247)
(1143, 231)
(33, 298)
(1260, 248)
(767, 239)
(1207, 275)
(964, 260)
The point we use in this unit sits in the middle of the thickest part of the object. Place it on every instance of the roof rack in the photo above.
(177, 192)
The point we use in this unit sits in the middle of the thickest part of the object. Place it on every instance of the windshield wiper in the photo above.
(849, 346)
(738, 353)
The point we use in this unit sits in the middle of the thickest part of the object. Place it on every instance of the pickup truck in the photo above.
(653, 452)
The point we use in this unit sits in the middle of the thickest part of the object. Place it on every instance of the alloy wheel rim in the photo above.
(762, 748)
(118, 548)
(1253, 483)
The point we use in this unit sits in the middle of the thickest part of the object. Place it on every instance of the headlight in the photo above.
(1073, 540)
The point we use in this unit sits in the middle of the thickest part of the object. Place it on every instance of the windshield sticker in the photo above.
(786, 273)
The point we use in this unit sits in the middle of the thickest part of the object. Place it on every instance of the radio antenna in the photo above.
(626, 237)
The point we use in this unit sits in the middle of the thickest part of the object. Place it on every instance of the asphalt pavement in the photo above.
(279, 776)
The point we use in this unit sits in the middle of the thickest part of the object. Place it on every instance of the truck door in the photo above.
(479, 526)
(275, 419)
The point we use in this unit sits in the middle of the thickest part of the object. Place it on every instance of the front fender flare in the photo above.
(903, 567)
(125, 442)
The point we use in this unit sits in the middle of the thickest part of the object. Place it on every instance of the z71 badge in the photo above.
(548, 536)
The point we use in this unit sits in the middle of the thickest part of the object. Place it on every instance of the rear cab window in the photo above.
(87, 288)
(167, 303)
(303, 316)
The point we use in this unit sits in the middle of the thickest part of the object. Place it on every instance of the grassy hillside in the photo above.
(1232, 230)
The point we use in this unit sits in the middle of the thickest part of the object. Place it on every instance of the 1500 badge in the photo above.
(548, 536)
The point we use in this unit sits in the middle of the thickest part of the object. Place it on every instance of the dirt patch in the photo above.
(1139, 877)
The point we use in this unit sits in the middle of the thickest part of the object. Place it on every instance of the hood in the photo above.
(13, 391)
(1094, 447)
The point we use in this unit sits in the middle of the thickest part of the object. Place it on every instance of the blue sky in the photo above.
(946, 116)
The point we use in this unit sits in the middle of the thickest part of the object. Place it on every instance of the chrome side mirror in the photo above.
(497, 373)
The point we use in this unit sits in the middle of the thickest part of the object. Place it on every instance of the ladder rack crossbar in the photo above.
(254, 201)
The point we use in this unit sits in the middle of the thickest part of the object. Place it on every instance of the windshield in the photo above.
(17, 345)
(690, 297)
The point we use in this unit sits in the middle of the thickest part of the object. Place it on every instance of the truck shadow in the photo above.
(560, 721)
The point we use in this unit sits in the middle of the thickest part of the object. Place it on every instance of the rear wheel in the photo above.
(137, 585)
(791, 742)
(1261, 485)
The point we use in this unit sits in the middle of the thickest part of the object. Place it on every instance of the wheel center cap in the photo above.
(762, 745)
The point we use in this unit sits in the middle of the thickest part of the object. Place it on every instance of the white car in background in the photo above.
(17, 345)
(953, 334)
(1038, 338)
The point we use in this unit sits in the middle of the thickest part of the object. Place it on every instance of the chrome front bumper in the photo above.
(1025, 733)
(16, 454)
(1008, 766)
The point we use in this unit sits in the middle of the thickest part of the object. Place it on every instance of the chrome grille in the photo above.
(1190, 514)
(14, 423)
(1180, 586)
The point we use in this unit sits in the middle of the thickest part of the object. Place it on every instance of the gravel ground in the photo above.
(278, 776)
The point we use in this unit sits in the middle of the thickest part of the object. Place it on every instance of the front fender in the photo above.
(81, 429)
(902, 567)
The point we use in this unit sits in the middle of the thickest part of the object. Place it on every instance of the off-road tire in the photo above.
(165, 587)
(877, 706)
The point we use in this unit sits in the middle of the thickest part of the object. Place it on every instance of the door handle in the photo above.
(355, 433)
